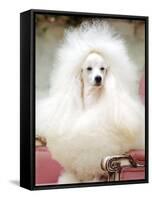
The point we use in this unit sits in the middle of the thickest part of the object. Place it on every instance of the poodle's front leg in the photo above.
(68, 178)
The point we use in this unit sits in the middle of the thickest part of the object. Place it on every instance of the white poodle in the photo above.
(93, 110)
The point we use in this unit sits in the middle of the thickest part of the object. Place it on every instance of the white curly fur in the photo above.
(78, 137)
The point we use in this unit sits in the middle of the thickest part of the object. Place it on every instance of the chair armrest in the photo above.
(112, 165)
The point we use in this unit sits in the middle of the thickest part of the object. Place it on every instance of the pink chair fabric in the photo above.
(131, 173)
(142, 88)
(47, 169)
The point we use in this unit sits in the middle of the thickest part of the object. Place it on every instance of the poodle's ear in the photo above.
(82, 86)
(79, 88)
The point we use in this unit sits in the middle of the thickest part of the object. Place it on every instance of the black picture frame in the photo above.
(27, 98)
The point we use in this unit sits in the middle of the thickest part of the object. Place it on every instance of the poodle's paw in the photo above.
(67, 178)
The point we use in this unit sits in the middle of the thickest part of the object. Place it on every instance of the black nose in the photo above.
(98, 79)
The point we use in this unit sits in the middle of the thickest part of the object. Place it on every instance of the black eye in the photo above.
(89, 68)
(102, 68)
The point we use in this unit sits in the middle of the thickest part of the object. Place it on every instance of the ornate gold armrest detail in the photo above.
(40, 141)
(112, 165)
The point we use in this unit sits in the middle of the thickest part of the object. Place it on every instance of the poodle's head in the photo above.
(92, 55)
(94, 70)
